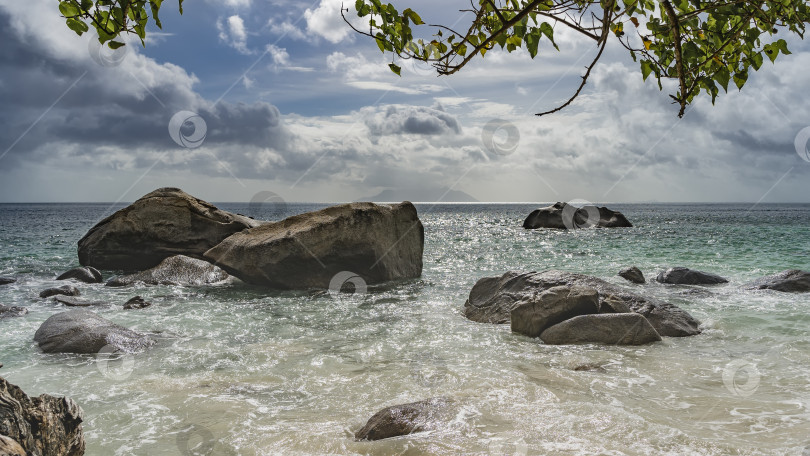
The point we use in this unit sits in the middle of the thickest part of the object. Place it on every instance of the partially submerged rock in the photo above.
(613, 329)
(82, 331)
(7, 280)
(72, 301)
(163, 223)
(12, 311)
(554, 305)
(403, 419)
(136, 302)
(686, 276)
(791, 281)
(565, 216)
(39, 426)
(175, 270)
(492, 300)
(632, 274)
(86, 274)
(67, 290)
(376, 242)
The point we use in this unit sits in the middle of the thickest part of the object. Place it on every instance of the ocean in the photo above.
(241, 370)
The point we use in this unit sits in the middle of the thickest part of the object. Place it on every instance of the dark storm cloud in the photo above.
(418, 120)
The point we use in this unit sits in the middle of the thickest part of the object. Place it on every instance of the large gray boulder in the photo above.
(492, 300)
(176, 270)
(86, 274)
(686, 276)
(39, 426)
(161, 224)
(533, 315)
(564, 216)
(613, 329)
(376, 242)
(791, 281)
(404, 419)
(82, 331)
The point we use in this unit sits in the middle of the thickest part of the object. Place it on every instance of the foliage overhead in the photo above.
(704, 45)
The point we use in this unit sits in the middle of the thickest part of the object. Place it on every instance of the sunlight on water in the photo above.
(242, 370)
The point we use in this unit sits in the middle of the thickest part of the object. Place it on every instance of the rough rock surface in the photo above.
(175, 270)
(12, 311)
(564, 216)
(632, 274)
(403, 419)
(532, 316)
(82, 331)
(7, 280)
(375, 242)
(791, 280)
(686, 276)
(492, 299)
(67, 290)
(87, 274)
(614, 329)
(75, 302)
(163, 223)
(40, 426)
(136, 302)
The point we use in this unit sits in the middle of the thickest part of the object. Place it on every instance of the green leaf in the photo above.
(69, 9)
(115, 44)
(77, 26)
(739, 79)
(723, 76)
(411, 14)
(646, 69)
(396, 69)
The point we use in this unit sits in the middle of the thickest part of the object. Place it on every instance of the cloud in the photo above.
(419, 120)
(325, 21)
(232, 32)
(285, 29)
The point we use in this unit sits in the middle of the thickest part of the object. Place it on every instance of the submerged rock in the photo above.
(791, 281)
(86, 274)
(136, 303)
(564, 216)
(67, 290)
(613, 329)
(492, 300)
(403, 419)
(176, 270)
(39, 426)
(12, 311)
(686, 276)
(533, 315)
(163, 223)
(82, 331)
(75, 302)
(376, 242)
(7, 280)
(632, 274)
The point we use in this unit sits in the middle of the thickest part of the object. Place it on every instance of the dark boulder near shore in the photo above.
(7, 280)
(136, 302)
(493, 299)
(72, 301)
(86, 274)
(611, 329)
(39, 426)
(82, 331)
(633, 274)
(163, 223)
(67, 290)
(686, 276)
(404, 419)
(175, 270)
(790, 281)
(376, 242)
(564, 216)
(533, 316)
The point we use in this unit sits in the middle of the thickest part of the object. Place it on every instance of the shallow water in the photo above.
(243, 370)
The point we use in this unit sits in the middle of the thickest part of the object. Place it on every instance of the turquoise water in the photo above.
(243, 370)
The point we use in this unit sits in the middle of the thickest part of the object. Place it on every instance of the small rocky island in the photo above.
(564, 216)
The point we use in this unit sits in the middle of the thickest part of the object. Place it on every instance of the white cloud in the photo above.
(286, 29)
(325, 21)
(233, 33)
(238, 3)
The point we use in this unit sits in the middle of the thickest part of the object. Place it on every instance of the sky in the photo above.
(239, 99)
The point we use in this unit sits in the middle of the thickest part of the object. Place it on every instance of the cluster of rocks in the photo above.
(564, 216)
